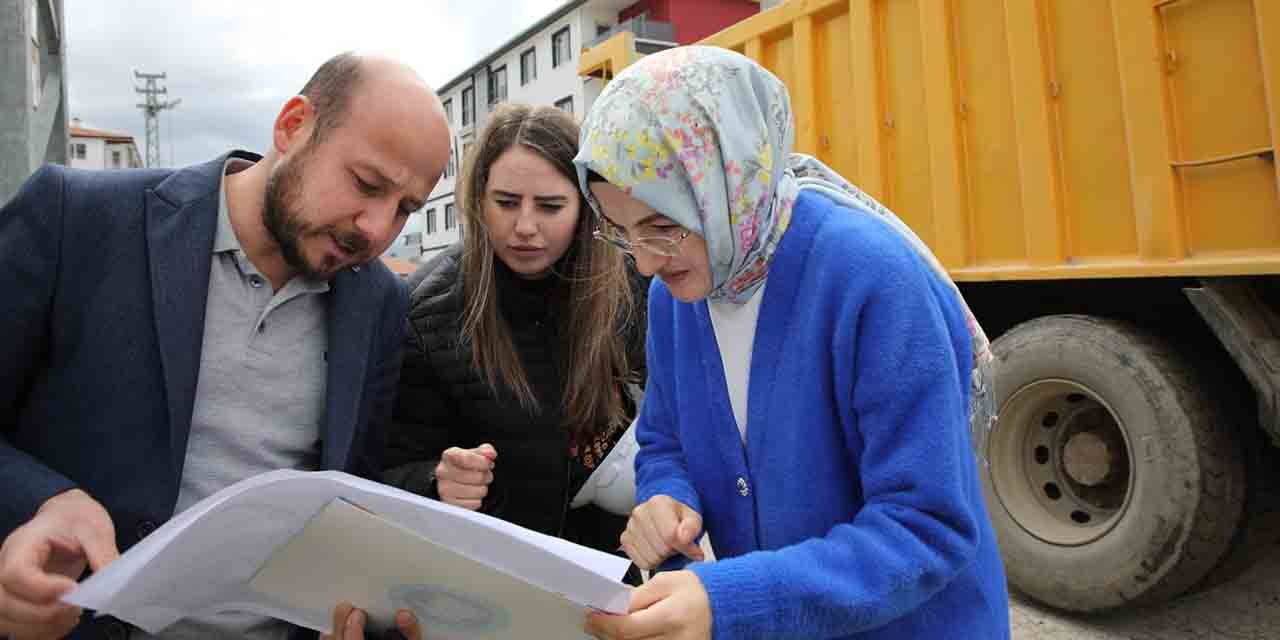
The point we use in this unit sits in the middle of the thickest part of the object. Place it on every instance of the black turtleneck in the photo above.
(443, 402)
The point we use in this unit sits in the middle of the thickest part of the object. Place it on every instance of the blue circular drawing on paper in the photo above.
(440, 607)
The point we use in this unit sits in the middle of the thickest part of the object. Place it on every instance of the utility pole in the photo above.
(151, 108)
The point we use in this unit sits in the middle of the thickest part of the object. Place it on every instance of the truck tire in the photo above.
(1259, 529)
(1112, 478)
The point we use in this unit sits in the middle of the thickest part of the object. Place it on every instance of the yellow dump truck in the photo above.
(1100, 177)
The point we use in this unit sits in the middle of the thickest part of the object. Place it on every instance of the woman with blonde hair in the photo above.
(513, 388)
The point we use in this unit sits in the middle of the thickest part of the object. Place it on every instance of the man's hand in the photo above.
(659, 529)
(348, 624)
(671, 606)
(42, 559)
(463, 475)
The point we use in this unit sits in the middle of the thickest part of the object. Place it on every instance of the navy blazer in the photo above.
(103, 281)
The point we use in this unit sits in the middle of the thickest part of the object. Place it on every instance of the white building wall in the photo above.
(128, 155)
(591, 89)
(551, 85)
(98, 154)
(442, 195)
(410, 244)
(94, 156)
(108, 152)
(555, 84)
(441, 238)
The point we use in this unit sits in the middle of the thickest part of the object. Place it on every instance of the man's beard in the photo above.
(287, 227)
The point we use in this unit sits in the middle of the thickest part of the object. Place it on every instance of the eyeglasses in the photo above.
(667, 246)
(662, 245)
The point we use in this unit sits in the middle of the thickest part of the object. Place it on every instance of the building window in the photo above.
(411, 239)
(560, 50)
(497, 85)
(528, 66)
(115, 159)
(450, 217)
(468, 106)
(565, 104)
(450, 168)
(78, 151)
(448, 110)
(431, 221)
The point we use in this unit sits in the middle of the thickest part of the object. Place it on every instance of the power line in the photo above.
(151, 108)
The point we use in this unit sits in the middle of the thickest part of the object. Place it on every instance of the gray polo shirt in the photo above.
(260, 397)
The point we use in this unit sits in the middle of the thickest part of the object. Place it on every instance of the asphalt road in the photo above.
(1247, 608)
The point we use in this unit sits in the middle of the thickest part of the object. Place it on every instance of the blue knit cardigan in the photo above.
(854, 510)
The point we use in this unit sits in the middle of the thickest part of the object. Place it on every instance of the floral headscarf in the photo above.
(704, 136)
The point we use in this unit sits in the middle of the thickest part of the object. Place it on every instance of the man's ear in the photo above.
(294, 124)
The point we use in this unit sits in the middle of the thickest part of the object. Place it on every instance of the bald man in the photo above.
(166, 333)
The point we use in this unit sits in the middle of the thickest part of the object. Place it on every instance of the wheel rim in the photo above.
(1061, 463)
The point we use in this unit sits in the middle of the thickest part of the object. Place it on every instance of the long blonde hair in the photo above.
(594, 299)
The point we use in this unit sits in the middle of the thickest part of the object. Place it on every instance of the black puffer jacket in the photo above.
(443, 402)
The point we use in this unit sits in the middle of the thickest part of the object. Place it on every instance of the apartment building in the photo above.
(540, 66)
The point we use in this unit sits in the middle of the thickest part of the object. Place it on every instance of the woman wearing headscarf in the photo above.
(811, 373)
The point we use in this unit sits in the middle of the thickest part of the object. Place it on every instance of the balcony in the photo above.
(644, 29)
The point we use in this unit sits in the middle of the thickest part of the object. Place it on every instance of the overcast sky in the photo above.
(234, 64)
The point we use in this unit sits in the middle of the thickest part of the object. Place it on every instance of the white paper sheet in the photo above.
(202, 560)
(391, 568)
